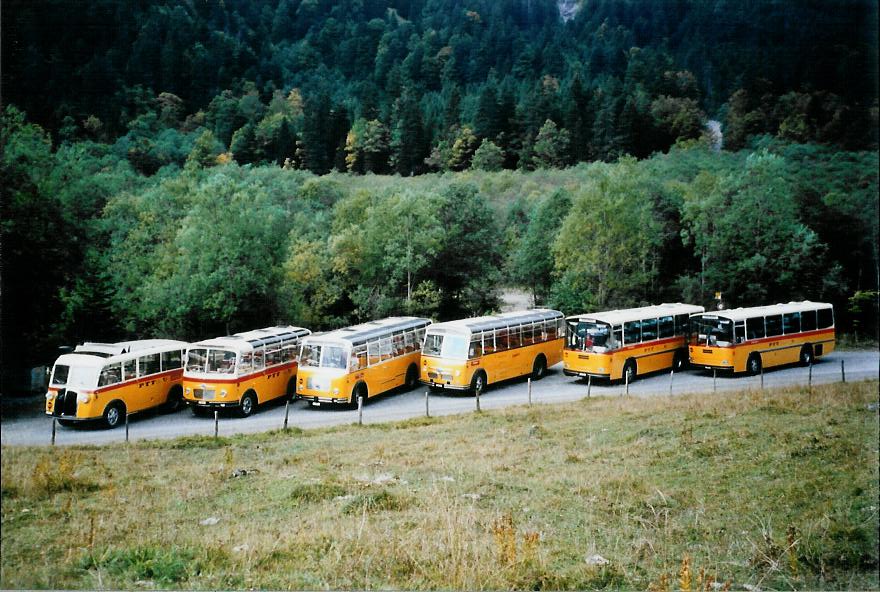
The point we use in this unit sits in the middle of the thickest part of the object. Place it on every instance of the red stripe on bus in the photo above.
(815, 333)
(143, 379)
(664, 341)
(242, 378)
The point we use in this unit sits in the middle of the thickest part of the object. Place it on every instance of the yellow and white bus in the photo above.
(107, 381)
(242, 370)
(469, 354)
(621, 344)
(748, 339)
(360, 361)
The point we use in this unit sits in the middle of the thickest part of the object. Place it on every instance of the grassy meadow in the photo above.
(774, 489)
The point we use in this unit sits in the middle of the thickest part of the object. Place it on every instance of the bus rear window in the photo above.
(60, 374)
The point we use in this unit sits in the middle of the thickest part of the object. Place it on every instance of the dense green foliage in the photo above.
(410, 86)
(94, 250)
(172, 175)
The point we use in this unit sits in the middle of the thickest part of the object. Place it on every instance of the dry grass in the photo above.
(775, 489)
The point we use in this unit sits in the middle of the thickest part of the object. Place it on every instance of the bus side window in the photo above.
(774, 325)
(501, 340)
(258, 359)
(514, 336)
(739, 331)
(649, 329)
(682, 324)
(397, 347)
(273, 354)
(172, 359)
(825, 318)
(128, 370)
(488, 342)
(791, 323)
(632, 332)
(616, 337)
(755, 328)
(476, 349)
(808, 320)
(409, 341)
(246, 363)
(385, 348)
(359, 357)
(528, 334)
(110, 374)
(148, 364)
(666, 327)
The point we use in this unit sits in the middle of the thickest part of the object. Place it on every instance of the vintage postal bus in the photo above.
(748, 339)
(469, 354)
(106, 381)
(621, 344)
(242, 370)
(360, 361)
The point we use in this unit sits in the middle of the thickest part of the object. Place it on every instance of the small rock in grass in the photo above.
(472, 496)
(597, 560)
(240, 548)
(447, 478)
(209, 521)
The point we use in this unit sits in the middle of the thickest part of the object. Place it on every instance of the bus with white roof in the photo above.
(361, 361)
(243, 370)
(469, 354)
(749, 339)
(621, 344)
(108, 381)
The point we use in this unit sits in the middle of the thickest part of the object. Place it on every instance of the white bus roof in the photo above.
(358, 334)
(624, 315)
(248, 340)
(99, 354)
(504, 319)
(739, 314)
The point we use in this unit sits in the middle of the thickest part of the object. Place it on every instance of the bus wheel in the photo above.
(753, 366)
(174, 399)
(248, 404)
(478, 383)
(806, 355)
(114, 414)
(629, 371)
(539, 368)
(679, 360)
(359, 392)
(412, 376)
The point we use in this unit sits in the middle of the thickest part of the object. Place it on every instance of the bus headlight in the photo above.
(188, 390)
(83, 398)
(50, 395)
(222, 394)
(336, 391)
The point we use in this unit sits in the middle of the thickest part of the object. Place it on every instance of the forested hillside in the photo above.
(194, 168)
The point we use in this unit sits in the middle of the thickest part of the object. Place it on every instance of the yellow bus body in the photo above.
(375, 357)
(446, 373)
(649, 357)
(773, 351)
(146, 385)
(267, 384)
(379, 378)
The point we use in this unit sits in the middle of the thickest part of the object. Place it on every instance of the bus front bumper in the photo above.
(584, 374)
(444, 385)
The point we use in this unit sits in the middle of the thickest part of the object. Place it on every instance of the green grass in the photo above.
(776, 489)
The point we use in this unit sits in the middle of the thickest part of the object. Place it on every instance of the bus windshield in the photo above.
(711, 330)
(446, 346)
(589, 336)
(323, 356)
(82, 376)
(212, 361)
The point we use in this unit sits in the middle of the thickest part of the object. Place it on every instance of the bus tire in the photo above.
(679, 360)
(806, 355)
(539, 368)
(753, 365)
(248, 404)
(114, 414)
(478, 383)
(630, 370)
(412, 377)
(174, 399)
(358, 392)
